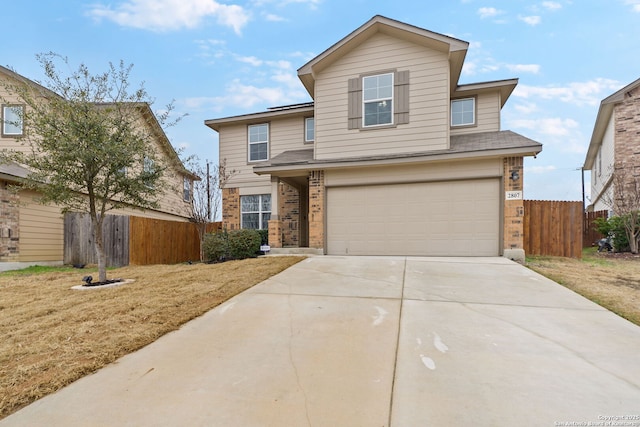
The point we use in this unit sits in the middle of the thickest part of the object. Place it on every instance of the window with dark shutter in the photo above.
(400, 100)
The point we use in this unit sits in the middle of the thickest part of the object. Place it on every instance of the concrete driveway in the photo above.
(367, 341)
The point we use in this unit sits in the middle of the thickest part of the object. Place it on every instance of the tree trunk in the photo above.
(101, 257)
(202, 230)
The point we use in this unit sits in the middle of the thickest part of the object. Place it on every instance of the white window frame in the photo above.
(186, 189)
(250, 143)
(473, 111)
(309, 127)
(5, 108)
(377, 99)
(260, 211)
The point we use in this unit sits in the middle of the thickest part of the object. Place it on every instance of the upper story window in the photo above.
(258, 142)
(377, 99)
(309, 129)
(186, 192)
(463, 112)
(12, 120)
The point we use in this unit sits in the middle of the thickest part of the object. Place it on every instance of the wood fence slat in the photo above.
(553, 228)
(132, 240)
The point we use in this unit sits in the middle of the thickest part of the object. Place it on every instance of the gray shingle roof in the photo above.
(485, 142)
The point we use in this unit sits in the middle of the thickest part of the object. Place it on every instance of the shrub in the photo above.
(216, 246)
(244, 243)
(614, 227)
(264, 235)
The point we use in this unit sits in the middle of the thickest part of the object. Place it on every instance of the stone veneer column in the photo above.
(9, 224)
(275, 224)
(513, 231)
(316, 209)
(231, 208)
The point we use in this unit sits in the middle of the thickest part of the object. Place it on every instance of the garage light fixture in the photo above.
(515, 175)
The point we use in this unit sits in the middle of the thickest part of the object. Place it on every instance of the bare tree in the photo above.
(624, 200)
(206, 203)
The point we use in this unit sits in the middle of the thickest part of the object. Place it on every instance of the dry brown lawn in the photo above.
(611, 280)
(52, 335)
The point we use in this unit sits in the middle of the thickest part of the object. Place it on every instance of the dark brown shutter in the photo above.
(401, 97)
(355, 103)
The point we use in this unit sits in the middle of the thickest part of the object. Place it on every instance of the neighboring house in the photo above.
(31, 233)
(615, 141)
(393, 157)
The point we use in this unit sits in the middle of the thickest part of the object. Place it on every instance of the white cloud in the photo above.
(245, 97)
(526, 107)
(530, 20)
(524, 68)
(551, 5)
(577, 93)
(273, 18)
(547, 126)
(489, 12)
(251, 60)
(167, 15)
(635, 4)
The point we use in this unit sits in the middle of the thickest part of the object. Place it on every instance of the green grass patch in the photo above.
(42, 269)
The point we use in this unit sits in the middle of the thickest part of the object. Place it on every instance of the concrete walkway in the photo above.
(366, 341)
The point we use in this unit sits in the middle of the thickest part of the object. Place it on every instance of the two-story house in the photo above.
(32, 233)
(615, 143)
(392, 157)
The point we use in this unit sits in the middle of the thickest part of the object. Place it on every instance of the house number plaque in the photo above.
(513, 195)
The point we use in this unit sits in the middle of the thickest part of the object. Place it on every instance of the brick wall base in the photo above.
(513, 245)
(289, 214)
(9, 224)
(316, 209)
(231, 208)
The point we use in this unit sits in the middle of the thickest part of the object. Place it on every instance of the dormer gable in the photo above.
(456, 49)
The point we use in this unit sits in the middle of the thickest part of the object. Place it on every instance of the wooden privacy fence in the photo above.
(589, 234)
(553, 228)
(132, 240)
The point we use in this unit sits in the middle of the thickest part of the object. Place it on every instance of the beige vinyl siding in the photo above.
(428, 127)
(41, 230)
(487, 115)
(442, 171)
(284, 135)
(8, 143)
(603, 166)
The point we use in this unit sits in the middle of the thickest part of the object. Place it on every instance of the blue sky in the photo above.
(222, 58)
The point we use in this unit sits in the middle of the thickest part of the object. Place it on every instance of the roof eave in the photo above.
(527, 151)
(505, 87)
(602, 120)
(216, 124)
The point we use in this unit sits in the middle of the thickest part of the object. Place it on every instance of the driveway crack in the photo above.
(293, 364)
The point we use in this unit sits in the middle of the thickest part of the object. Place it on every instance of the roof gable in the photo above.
(602, 120)
(456, 49)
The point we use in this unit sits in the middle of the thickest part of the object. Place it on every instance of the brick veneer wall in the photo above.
(9, 224)
(627, 133)
(316, 209)
(231, 208)
(289, 214)
(513, 209)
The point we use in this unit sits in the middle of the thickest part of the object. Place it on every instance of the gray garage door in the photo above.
(453, 218)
